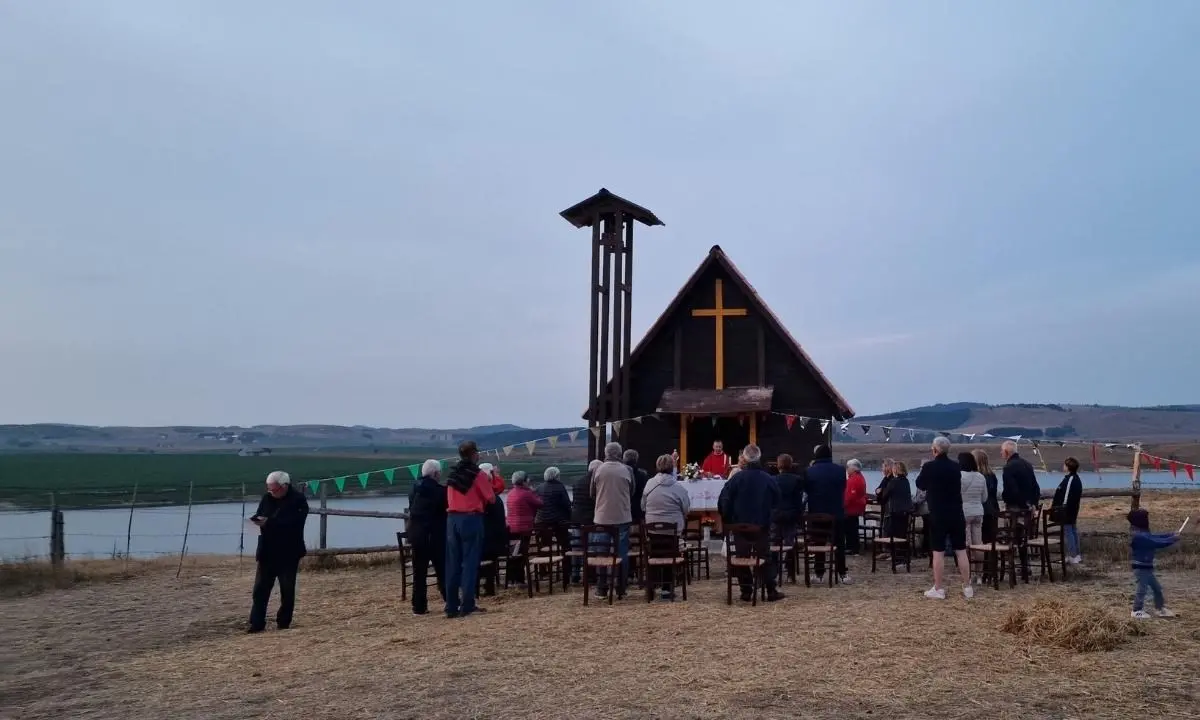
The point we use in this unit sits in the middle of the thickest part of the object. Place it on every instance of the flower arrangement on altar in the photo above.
(691, 471)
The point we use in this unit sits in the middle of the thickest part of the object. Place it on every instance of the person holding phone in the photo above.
(280, 519)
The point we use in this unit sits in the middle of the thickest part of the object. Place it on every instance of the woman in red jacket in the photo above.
(854, 500)
(523, 504)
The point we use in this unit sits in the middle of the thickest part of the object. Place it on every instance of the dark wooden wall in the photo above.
(682, 355)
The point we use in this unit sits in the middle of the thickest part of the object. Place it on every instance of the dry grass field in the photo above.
(142, 644)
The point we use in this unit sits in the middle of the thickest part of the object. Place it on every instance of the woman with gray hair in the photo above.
(665, 500)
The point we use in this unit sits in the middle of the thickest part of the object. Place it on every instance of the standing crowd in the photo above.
(456, 523)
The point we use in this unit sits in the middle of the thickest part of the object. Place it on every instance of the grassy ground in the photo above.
(153, 646)
(27, 480)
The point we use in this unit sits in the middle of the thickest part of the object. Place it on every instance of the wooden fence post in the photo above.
(187, 526)
(1136, 484)
(129, 527)
(57, 545)
(324, 517)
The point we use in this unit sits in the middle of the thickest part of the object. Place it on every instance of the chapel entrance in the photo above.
(702, 432)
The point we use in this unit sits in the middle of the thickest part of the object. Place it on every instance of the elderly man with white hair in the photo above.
(941, 479)
(426, 532)
(612, 489)
(280, 519)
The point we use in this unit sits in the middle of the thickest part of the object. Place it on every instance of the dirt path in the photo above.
(156, 647)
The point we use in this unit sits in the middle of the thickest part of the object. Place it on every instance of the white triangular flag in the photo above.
(596, 430)
(530, 446)
(803, 422)
(573, 435)
(507, 450)
(969, 436)
(638, 419)
(987, 435)
(1015, 438)
(616, 427)
(842, 428)
(824, 426)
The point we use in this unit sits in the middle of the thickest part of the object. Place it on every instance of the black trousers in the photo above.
(850, 533)
(264, 582)
(839, 551)
(742, 547)
(428, 548)
(989, 528)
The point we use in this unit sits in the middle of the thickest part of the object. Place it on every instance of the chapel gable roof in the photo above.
(717, 257)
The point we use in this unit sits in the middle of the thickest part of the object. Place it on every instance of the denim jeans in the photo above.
(1145, 579)
(1071, 532)
(464, 545)
(576, 562)
(622, 567)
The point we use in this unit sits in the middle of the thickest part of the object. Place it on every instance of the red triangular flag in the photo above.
(1174, 468)
(1145, 459)
(1157, 462)
(1190, 470)
(790, 419)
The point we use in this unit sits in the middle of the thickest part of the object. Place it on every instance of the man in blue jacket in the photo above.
(826, 496)
(751, 497)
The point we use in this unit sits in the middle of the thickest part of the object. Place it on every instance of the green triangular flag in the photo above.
(444, 463)
(362, 478)
(416, 471)
(390, 474)
(340, 482)
(315, 486)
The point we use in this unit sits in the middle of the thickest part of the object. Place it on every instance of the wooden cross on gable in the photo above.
(719, 313)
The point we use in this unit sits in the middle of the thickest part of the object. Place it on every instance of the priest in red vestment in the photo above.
(717, 464)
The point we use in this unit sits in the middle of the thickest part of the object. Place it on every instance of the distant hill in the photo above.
(1050, 421)
(260, 439)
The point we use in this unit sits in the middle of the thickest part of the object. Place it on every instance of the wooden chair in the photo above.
(871, 526)
(898, 548)
(663, 554)
(819, 541)
(600, 553)
(695, 551)
(785, 546)
(1049, 537)
(545, 556)
(517, 559)
(637, 571)
(574, 553)
(406, 564)
(994, 558)
(742, 543)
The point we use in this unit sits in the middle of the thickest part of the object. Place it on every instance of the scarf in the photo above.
(462, 477)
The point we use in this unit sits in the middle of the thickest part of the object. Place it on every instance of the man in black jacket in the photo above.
(1020, 492)
(426, 529)
(640, 478)
(751, 498)
(280, 519)
(825, 483)
(583, 512)
(556, 506)
(941, 479)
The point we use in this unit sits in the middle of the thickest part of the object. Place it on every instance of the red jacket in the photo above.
(497, 481)
(855, 498)
(523, 505)
(717, 464)
(474, 500)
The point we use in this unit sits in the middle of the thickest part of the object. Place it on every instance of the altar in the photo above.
(703, 493)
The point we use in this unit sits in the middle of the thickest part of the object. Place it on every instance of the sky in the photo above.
(292, 211)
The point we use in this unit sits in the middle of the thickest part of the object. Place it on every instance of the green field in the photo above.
(81, 480)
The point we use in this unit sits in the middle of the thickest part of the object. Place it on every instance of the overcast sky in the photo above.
(286, 211)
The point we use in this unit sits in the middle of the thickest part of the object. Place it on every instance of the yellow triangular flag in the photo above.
(507, 450)
(553, 441)
(530, 446)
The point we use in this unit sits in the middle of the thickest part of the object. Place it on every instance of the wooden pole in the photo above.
(683, 433)
(1136, 482)
(626, 347)
(324, 517)
(618, 317)
(594, 341)
(605, 332)
(57, 546)
(129, 526)
(242, 529)
(186, 529)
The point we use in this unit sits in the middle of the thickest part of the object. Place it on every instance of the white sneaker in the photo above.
(1139, 615)
(1165, 613)
(1075, 560)
(820, 579)
(968, 592)
(940, 594)
(845, 580)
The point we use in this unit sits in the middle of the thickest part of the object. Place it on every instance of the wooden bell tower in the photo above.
(611, 219)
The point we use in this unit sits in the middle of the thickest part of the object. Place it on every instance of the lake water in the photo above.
(222, 529)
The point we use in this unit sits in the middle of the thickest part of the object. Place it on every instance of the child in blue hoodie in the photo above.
(1142, 546)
